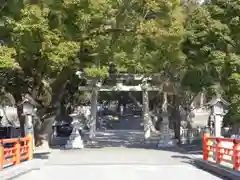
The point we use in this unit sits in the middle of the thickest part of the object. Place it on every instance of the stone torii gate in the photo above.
(95, 85)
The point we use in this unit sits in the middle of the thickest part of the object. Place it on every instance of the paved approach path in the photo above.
(141, 162)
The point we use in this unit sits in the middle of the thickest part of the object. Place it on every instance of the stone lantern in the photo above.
(75, 140)
(218, 108)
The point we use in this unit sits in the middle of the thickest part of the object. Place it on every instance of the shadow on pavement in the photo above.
(180, 157)
(188, 160)
(44, 155)
(192, 148)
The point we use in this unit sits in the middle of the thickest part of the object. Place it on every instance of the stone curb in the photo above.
(21, 169)
(218, 170)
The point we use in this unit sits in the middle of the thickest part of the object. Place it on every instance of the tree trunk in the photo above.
(43, 131)
(176, 117)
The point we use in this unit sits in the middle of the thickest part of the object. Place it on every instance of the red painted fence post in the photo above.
(205, 148)
(218, 152)
(236, 155)
(17, 150)
(1, 155)
(30, 147)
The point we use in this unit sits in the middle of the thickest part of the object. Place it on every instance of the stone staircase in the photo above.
(114, 138)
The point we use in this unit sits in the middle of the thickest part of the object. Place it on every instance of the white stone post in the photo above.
(201, 99)
(29, 128)
(218, 125)
(146, 118)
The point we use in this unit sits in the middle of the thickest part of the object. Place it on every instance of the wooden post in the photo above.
(17, 155)
(236, 158)
(1, 155)
(30, 147)
(205, 147)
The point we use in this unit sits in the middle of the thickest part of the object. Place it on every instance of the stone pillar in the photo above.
(166, 138)
(146, 118)
(218, 125)
(29, 131)
(217, 130)
(93, 116)
(201, 99)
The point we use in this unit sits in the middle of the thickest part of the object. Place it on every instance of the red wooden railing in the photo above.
(224, 151)
(20, 150)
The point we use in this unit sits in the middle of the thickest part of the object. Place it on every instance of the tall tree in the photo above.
(212, 49)
(52, 39)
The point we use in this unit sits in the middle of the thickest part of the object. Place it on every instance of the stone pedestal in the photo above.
(166, 138)
(218, 119)
(75, 140)
(29, 131)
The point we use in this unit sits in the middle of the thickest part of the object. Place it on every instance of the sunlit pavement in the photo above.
(133, 161)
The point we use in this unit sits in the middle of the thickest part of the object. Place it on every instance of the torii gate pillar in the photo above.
(146, 118)
(93, 117)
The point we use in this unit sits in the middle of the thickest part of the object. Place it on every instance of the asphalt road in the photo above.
(135, 162)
